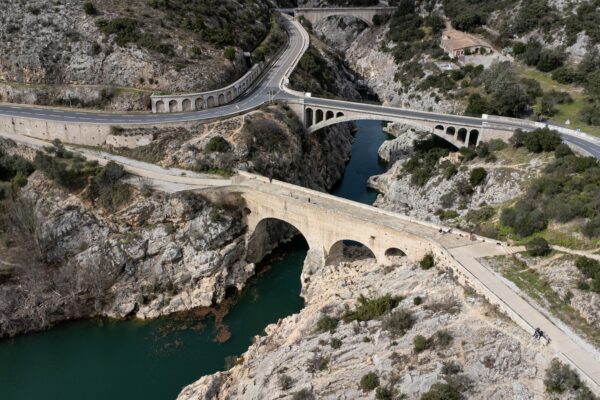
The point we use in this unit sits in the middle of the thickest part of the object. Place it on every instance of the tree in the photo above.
(427, 262)
(477, 176)
(369, 382)
(229, 53)
(518, 138)
(542, 140)
(538, 247)
(477, 105)
(550, 60)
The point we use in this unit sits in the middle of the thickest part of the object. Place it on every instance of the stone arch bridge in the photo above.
(365, 14)
(326, 221)
(461, 131)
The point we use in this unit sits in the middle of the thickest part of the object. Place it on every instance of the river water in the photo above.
(96, 360)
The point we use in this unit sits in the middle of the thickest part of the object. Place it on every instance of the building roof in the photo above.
(454, 40)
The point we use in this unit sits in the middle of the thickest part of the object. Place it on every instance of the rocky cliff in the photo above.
(73, 52)
(326, 352)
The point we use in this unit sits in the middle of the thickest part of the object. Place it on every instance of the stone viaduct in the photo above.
(366, 14)
(205, 100)
(326, 221)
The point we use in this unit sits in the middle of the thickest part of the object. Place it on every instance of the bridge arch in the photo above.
(329, 114)
(267, 235)
(314, 124)
(210, 102)
(186, 105)
(346, 250)
(473, 137)
(451, 131)
(173, 106)
(221, 99)
(462, 135)
(318, 116)
(160, 106)
(199, 103)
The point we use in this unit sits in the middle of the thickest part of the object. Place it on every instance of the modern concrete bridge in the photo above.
(365, 14)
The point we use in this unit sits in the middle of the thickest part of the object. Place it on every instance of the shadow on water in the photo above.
(96, 360)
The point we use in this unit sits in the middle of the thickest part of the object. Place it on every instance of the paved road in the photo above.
(259, 94)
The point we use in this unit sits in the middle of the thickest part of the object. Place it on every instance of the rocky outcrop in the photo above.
(62, 43)
(491, 356)
(270, 141)
(506, 179)
(159, 255)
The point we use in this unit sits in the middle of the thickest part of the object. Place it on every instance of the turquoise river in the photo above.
(101, 359)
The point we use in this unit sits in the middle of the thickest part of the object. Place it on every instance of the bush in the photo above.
(421, 343)
(560, 378)
(229, 53)
(327, 323)
(399, 322)
(89, 8)
(441, 391)
(303, 394)
(427, 262)
(418, 300)
(477, 176)
(542, 139)
(451, 368)
(538, 247)
(369, 382)
(368, 309)
(562, 150)
(285, 382)
(217, 144)
(588, 267)
(443, 338)
(335, 343)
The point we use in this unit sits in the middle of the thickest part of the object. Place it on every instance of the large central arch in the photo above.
(268, 234)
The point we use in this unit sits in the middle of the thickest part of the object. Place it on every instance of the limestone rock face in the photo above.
(48, 44)
(159, 255)
(498, 358)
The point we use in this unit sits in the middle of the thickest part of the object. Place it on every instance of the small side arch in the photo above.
(210, 102)
(473, 137)
(462, 135)
(309, 116)
(160, 106)
(199, 103)
(450, 131)
(319, 116)
(329, 115)
(348, 250)
(186, 105)
(438, 129)
(221, 99)
(339, 114)
(173, 106)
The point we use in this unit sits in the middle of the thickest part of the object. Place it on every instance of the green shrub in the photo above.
(229, 53)
(589, 267)
(369, 382)
(418, 300)
(89, 8)
(560, 378)
(286, 382)
(421, 343)
(217, 144)
(368, 309)
(538, 247)
(446, 214)
(327, 323)
(335, 343)
(542, 139)
(562, 150)
(441, 391)
(399, 322)
(303, 394)
(451, 368)
(427, 262)
(443, 338)
(477, 176)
